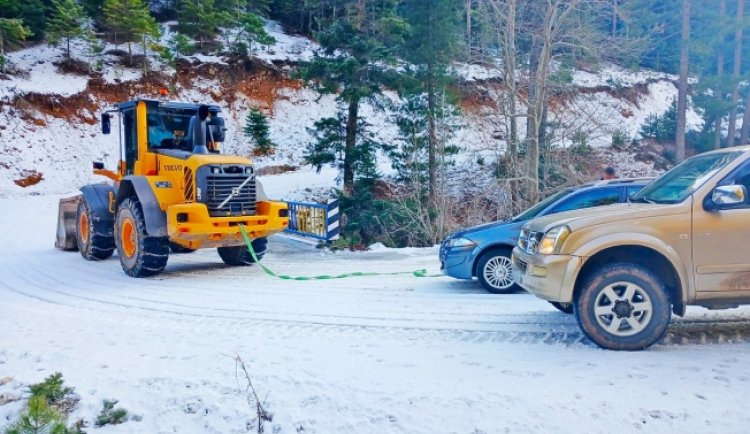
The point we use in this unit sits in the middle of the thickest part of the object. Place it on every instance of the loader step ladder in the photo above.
(315, 220)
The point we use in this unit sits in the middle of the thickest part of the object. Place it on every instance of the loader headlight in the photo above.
(460, 242)
(249, 170)
(215, 169)
(553, 240)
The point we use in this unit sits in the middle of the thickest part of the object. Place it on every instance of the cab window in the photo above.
(129, 140)
(588, 199)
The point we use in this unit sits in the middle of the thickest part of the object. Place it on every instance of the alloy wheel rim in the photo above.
(498, 272)
(623, 309)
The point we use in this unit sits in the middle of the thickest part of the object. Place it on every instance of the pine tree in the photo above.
(431, 46)
(11, 30)
(202, 19)
(256, 130)
(68, 22)
(355, 45)
(132, 19)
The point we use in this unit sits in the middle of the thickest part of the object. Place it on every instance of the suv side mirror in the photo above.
(106, 123)
(728, 196)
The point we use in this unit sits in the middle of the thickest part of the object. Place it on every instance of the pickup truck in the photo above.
(684, 239)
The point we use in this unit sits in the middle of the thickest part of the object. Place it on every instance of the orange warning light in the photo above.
(163, 92)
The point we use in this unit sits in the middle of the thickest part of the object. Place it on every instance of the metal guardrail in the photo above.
(315, 220)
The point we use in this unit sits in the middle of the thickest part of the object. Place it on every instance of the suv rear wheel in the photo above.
(623, 307)
(495, 271)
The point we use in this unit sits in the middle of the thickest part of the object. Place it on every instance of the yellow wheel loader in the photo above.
(172, 190)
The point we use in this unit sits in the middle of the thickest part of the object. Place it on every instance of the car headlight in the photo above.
(460, 242)
(553, 240)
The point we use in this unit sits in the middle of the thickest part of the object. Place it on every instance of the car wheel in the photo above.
(495, 271)
(623, 307)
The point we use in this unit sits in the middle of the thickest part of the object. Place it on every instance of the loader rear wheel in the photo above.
(240, 256)
(94, 240)
(141, 255)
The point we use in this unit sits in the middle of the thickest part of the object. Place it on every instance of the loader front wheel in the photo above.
(141, 255)
(95, 241)
(240, 256)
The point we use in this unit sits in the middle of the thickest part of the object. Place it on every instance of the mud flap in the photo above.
(67, 215)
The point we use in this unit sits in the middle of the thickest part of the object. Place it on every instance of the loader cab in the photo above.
(158, 127)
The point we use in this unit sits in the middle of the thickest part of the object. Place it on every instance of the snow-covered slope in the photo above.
(61, 146)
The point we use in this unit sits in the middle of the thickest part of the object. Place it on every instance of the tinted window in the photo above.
(536, 209)
(588, 199)
(633, 190)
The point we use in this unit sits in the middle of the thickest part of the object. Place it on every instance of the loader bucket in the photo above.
(66, 223)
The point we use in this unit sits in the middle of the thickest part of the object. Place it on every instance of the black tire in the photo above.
(96, 240)
(149, 254)
(240, 256)
(634, 287)
(495, 258)
(176, 248)
(563, 307)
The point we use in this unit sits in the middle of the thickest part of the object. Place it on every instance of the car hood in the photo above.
(480, 228)
(603, 214)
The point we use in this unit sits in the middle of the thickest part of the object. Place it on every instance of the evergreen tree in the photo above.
(67, 23)
(12, 30)
(431, 46)
(132, 20)
(32, 14)
(256, 129)
(355, 46)
(202, 19)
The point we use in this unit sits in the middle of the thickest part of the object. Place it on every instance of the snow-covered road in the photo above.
(361, 355)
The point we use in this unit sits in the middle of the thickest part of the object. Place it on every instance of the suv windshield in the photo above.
(536, 209)
(677, 184)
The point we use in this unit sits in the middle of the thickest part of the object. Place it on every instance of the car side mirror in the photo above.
(728, 196)
(106, 123)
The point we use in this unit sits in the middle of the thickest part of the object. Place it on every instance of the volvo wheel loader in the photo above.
(172, 190)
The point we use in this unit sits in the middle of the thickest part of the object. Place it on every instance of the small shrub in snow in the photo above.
(111, 415)
(256, 130)
(38, 418)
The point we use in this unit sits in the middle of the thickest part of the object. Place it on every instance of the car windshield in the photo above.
(677, 184)
(541, 206)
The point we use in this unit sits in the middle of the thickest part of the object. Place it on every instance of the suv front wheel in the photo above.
(623, 307)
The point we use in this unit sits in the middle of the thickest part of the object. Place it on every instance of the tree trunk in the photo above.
(67, 51)
(683, 85)
(350, 146)
(745, 134)
(468, 24)
(145, 57)
(614, 17)
(3, 60)
(737, 63)
(509, 58)
(431, 135)
(719, 91)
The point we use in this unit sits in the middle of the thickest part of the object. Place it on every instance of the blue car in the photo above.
(484, 251)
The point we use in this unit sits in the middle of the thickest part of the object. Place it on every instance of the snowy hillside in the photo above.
(49, 126)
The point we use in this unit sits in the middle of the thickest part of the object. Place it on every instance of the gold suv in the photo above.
(622, 269)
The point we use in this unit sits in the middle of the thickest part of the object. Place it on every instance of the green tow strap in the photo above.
(249, 244)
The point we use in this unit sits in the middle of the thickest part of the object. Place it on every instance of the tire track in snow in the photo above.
(535, 329)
